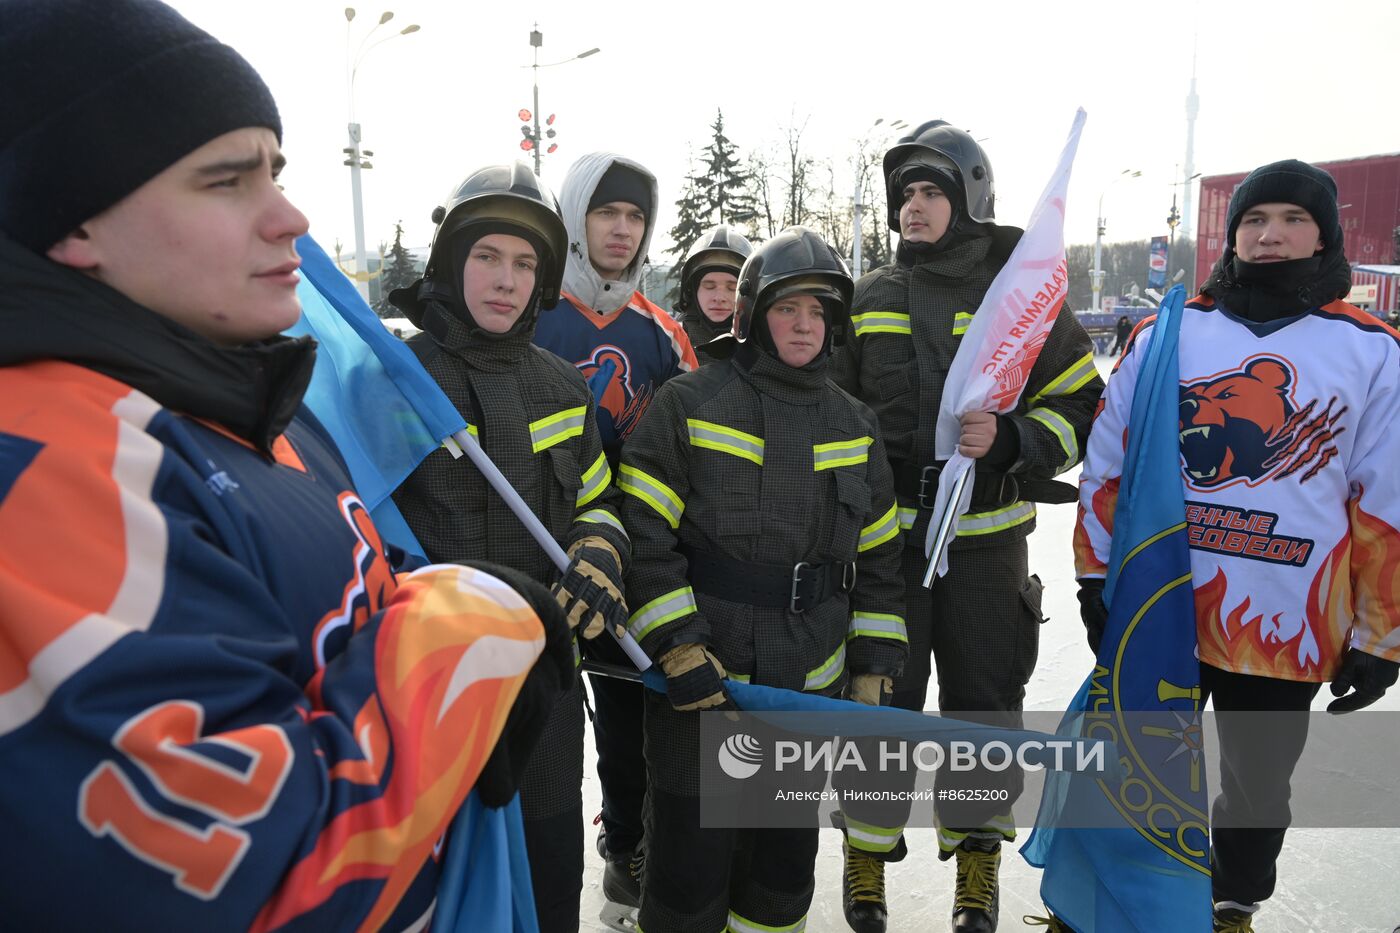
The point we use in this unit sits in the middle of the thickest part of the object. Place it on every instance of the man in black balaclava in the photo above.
(980, 622)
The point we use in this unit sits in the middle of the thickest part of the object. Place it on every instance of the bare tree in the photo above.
(799, 171)
(761, 170)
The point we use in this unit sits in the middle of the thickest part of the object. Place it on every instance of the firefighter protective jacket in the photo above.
(755, 461)
(907, 321)
(534, 417)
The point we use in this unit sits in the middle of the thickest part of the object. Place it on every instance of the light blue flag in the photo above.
(1149, 868)
(369, 391)
(386, 414)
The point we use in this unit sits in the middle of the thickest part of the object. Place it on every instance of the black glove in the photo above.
(1366, 674)
(552, 674)
(1093, 611)
(590, 591)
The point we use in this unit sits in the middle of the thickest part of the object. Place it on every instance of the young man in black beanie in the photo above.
(218, 707)
(1290, 411)
(626, 348)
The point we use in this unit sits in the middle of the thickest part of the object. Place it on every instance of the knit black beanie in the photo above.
(100, 97)
(1289, 182)
(622, 183)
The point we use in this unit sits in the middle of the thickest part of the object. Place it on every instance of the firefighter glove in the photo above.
(694, 679)
(590, 591)
(872, 689)
(1366, 675)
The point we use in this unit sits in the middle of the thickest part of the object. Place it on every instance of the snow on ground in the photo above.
(1330, 880)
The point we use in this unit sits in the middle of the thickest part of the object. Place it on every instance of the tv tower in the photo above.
(1193, 107)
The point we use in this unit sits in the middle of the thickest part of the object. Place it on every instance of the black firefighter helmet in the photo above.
(719, 249)
(948, 153)
(505, 196)
(796, 261)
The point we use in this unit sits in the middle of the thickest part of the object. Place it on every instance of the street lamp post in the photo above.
(858, 206)
(533, 141)
(1096, 275)
(356, 157)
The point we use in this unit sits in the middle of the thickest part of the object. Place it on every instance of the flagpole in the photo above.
(947, 522)
(537, 531)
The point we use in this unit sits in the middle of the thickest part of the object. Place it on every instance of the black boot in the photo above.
(1233, 917)
(976, 897)
(622, 888)
(863, 892)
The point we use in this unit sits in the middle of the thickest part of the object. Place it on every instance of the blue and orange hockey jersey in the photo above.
(218, 709)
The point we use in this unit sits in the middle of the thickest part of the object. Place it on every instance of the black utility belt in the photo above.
(991, 489)
(799, 588)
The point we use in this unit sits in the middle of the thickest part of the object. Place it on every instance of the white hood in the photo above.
(581, 280)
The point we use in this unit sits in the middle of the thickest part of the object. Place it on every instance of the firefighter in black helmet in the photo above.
(980, 622)
(709, 279)
(751, 489)
(497, 257)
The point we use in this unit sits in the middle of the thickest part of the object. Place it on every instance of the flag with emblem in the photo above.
(1133, 853)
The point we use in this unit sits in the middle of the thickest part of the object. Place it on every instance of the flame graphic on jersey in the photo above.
(452, 651)
(609, 375)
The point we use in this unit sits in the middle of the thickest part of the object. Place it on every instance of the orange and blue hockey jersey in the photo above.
(1290, 434)
(625, 346)
(218, 708)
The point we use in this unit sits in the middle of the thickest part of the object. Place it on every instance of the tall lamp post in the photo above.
(858, 206)
(356, 157)
(1097, 275)
(532, 141)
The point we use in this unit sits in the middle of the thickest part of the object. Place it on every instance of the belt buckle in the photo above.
(848, 577)
(923, 486)
(797, 581)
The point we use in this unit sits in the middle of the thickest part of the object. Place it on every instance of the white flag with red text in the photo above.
(1004, 339)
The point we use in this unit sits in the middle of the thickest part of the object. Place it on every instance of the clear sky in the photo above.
(1308, 80)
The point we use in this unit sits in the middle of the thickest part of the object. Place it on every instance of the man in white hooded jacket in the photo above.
(626, 347)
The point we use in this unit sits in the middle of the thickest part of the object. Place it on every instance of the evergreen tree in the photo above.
(725, 184)
(400, 272)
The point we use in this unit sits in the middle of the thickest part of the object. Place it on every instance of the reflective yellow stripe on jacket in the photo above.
(717, 437)
(595, 480)
(880, 322)
(841, 453)
(879, 531)
(653, 492)
(661, 610)
(557, 428)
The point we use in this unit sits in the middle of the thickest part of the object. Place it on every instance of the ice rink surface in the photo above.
(1329, 880)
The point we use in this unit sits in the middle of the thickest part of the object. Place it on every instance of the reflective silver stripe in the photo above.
(985, 523)
(653, 492)
(1062, 429)
(595, 480)
(879, 531)
(907, 518)
(738, 924)
(961, 322)
(841, 453)
(826, 675)
(713, 436)
(602, 517)
(558, 427)
(1069, 381)
(870, 838)
(878, 625)
(661, 610)
(880, 322)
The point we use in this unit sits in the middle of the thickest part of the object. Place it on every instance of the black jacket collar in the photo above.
(48, 311)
